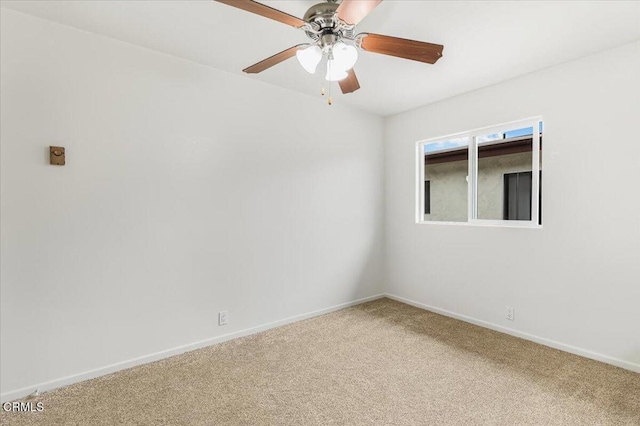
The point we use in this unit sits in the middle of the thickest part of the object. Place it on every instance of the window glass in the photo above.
(496, 158)
(446, 170)
(427, 197)
(517, 196)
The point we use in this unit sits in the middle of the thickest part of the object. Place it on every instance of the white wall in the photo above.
(576, 282)
(187, 191)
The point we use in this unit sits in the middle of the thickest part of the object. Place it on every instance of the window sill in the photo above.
(483, 223)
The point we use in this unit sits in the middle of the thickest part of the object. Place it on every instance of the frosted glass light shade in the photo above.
(334, 71)
(345, 56)
(309, 58)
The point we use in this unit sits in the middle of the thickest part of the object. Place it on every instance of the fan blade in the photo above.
(266, 11)
(353, 11)
(349, 84)
(273, 60)
(401, 47)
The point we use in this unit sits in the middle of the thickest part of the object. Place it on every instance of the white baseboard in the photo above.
(537, 339)
(102, 371)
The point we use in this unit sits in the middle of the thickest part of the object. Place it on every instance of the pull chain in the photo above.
(329, 99)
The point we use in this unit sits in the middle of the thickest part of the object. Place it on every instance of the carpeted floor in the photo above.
(380, 363)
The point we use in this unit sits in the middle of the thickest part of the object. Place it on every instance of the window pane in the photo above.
(446, 169)
(510, 196)
(499, 194)
(427, 197)
(540, 197)
(517, 195)
(524, 196)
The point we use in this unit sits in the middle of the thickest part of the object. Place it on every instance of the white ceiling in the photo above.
(485, 41)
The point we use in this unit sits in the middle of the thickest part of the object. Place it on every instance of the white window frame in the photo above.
(472, 179)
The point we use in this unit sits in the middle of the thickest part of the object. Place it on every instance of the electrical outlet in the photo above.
(510, 313)
(223, 318)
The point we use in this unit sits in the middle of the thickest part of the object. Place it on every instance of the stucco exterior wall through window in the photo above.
(449, 186)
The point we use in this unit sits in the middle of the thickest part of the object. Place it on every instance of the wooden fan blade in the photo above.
(349, 84)
(353, 11)
(401, 47)
(273, 60)
(266, 11)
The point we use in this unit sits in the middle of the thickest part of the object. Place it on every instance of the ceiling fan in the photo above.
(331, 28)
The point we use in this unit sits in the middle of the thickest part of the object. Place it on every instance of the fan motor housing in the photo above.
(321, 12)
(322, 18)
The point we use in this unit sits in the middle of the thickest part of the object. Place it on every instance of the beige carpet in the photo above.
(380, 363)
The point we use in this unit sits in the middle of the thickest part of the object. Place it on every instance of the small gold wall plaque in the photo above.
(56, 155)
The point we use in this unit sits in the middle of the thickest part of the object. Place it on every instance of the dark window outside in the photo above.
(517, 196)
(427, 197)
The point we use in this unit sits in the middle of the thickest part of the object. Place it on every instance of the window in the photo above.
(484, 176)
(517, 197)
(427, 197)
(446, 174)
